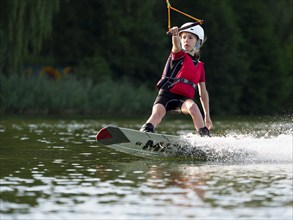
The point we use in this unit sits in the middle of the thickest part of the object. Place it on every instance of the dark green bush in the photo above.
(20, 94)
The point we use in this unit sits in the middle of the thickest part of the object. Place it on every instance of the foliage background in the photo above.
(105, 57)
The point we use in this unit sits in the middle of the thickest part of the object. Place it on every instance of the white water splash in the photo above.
(246, 148)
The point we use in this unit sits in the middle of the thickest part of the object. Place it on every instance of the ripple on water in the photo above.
(62, 173)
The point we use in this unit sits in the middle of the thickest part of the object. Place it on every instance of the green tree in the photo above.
(266, 84)
(282, 16)
(76, 32)
(133, 40)
(23, 27)
(125, 38)
(76, 39)
(226, 61)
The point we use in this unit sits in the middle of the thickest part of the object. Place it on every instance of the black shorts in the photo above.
(171, 101)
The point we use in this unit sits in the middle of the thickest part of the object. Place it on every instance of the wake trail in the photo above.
(246, 148)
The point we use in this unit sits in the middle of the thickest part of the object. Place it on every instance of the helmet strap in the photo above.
(196, 46)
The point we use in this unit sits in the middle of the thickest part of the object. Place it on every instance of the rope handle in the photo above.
(187, 15)
(183, 28)
(197, 21)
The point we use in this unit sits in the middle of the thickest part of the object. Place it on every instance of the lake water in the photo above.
(52, 168)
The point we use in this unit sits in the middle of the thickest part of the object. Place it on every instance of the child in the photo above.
(182, 75)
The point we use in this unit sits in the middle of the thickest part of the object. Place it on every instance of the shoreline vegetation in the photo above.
(107, 60)
(71, 96)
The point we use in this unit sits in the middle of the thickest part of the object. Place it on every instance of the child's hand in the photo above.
(174, 31)
(209, 123)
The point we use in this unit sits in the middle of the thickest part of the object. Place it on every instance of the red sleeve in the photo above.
(178, 55)
(202, 72)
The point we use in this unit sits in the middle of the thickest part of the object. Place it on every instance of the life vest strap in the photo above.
(182, 80)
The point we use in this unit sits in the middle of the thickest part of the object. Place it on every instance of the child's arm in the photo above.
(175, 40)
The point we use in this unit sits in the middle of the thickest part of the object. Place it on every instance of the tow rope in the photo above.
(198, 21)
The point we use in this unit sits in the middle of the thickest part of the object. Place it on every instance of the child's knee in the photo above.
(193, 109)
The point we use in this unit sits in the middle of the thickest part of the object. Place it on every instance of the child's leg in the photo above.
(158, 112)
(190, 107)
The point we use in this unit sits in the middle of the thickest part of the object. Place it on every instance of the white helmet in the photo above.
(197, 30)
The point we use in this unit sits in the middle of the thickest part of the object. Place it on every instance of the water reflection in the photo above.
(54, 169)
(206, 183)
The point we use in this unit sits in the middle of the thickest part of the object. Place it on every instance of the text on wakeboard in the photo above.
(160, 146)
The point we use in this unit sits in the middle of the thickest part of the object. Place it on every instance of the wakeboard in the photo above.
(149, 145)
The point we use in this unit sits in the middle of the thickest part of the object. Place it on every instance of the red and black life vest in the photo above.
(181, 74)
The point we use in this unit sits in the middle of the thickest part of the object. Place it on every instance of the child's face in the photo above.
(188, 41)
